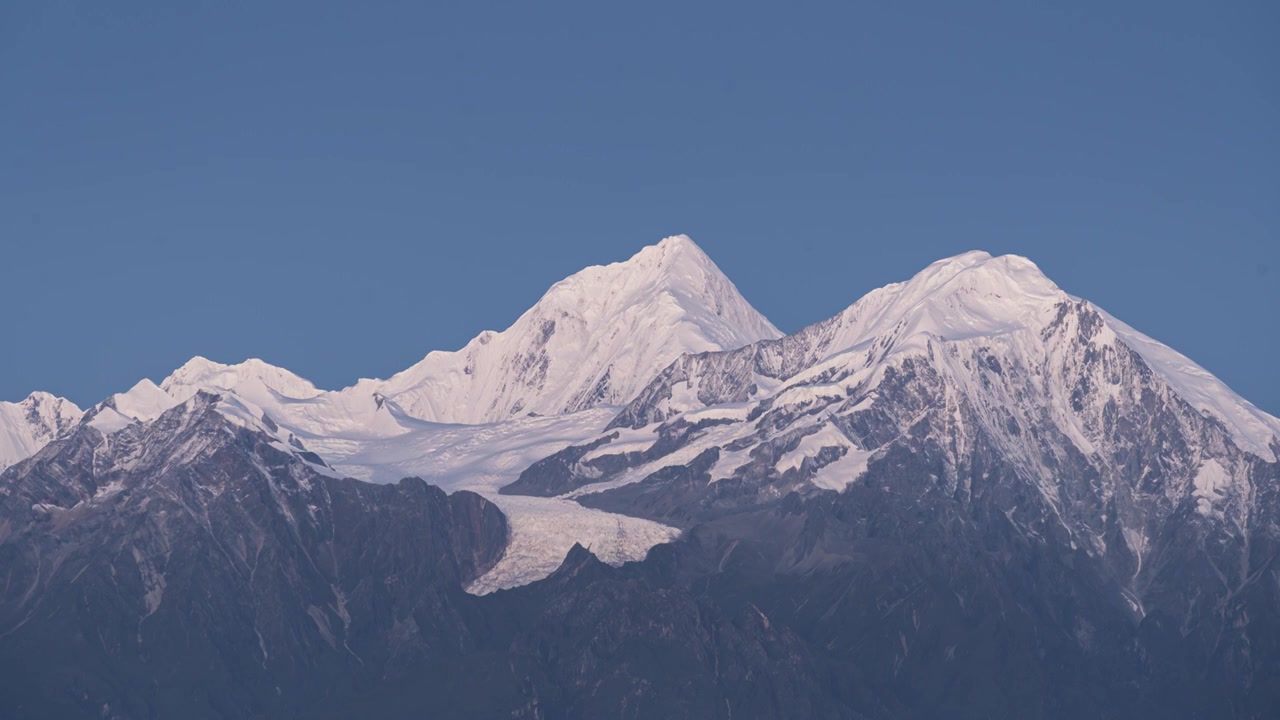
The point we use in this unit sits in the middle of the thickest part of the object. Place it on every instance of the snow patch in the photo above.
(108, 421)
(810, 445)
(145, 401)
(627, 441)
(1208, 486)
(843, 472)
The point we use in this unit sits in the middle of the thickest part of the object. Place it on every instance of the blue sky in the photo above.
(339, 188)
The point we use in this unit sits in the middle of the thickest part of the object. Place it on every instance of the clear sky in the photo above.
(339, 188)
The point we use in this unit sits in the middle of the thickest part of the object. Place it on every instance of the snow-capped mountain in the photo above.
(967, 318)
(970, 479)
(593, 339)
(980, 380)
(989, 401)
(27, 426)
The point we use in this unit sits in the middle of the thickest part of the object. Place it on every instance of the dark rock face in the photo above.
(634, 642)
(925, 610)
(192, 568)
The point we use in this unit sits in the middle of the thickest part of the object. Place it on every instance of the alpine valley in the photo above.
(967, 495)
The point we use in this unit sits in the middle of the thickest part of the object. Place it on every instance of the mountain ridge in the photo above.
(977, 295)
(951, 297)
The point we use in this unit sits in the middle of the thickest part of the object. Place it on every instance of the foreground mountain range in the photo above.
(967, 495)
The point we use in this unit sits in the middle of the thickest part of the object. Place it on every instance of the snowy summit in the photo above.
(596, 337)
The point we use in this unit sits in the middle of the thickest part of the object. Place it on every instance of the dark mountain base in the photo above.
(866, 604)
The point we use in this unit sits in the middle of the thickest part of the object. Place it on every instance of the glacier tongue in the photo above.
(483, 458)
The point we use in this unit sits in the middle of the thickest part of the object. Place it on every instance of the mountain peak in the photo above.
(144, 401)
(973, 294)
(977, 294)
(677, 241)
(25, 426)
(675, 263)
(1004, 275)
(965, 259)
(671, 250)
(595, 337)
(201, 373)
(983, 301)
(38, 397)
